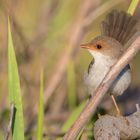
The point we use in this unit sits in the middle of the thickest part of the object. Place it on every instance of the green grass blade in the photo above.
(15, 90)
(73, 118)
(71, 82)
(132, 6)
(41, 110)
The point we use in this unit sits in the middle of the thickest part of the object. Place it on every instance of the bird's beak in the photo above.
(85, 46)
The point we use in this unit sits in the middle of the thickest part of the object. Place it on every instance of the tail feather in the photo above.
(124, 27)
(119, 25)
(109, 22)
(130, 29)
(114, 23)
(105, 28)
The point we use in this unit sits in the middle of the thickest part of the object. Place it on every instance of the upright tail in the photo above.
(119, 25)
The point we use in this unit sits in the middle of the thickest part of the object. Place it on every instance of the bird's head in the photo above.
(104, 46)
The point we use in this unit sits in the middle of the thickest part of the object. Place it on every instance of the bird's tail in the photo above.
(119, 25)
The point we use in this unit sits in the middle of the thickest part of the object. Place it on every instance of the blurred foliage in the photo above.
(41, 109)
(41, 29)
(71, 84)
(132, 7)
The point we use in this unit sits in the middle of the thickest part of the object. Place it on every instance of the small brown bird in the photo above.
(117, 29)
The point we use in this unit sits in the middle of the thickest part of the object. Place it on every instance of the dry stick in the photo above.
(102, 89)
(12, 112)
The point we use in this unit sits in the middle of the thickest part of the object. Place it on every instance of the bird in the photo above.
(117, 30)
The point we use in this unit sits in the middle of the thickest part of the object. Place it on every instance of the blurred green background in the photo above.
(47, 35)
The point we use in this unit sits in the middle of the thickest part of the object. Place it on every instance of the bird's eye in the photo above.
(98, 46)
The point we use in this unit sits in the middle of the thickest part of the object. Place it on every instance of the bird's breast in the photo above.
(97, 72)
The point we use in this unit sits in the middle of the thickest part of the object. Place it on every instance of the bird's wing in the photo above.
(119, 25)
(90, 65)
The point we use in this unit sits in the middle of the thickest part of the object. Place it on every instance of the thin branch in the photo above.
(12, 113)
(102, 89)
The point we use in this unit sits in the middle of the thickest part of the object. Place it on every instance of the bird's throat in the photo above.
(100, 59)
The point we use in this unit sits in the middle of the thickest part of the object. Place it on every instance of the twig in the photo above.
(12, 113)
(102, 89)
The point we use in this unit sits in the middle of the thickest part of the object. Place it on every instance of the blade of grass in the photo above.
(71, 82)
(72, 118)
(41, 109)
(132, 6)
(15, 90)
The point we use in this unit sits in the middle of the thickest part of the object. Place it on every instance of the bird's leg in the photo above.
(115, 104)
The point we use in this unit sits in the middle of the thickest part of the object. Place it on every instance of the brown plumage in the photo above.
(119, 25)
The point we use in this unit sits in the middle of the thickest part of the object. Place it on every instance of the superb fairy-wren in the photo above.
(117, 29)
